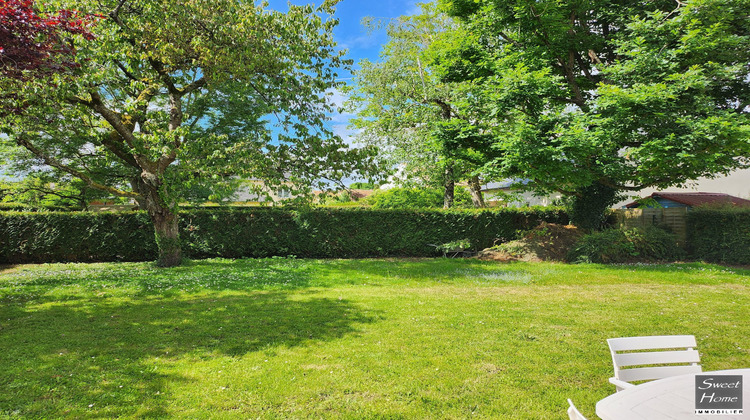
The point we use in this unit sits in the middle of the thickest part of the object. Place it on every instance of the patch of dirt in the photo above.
(546, 242)
(7, 269)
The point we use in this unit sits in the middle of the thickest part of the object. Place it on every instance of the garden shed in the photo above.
(687, 199)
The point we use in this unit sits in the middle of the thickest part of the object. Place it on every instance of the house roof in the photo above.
(502, 185)
(693, 199)
(357, 194)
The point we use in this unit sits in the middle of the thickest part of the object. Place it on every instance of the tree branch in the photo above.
(49, 191)
(115, 14)
(118, 125)
(65, 168)
(446, 110)
(193, 86)
(127, 73)
(509, 39)
(164, 75)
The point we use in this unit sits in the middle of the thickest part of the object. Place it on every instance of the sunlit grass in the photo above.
(285, 338)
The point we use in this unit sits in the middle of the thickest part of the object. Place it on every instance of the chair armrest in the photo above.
(620, 385)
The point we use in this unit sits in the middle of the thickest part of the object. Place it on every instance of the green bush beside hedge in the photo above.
(720, 235)
(627, 246)
(259, 232)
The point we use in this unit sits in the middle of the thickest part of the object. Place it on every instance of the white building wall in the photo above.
(737, 184)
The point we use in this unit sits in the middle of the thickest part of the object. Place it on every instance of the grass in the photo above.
(284, 338)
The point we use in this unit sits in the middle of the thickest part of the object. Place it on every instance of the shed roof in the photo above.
(693, 199)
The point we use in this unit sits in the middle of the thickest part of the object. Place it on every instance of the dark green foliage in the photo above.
(79, 236)
(626, 246)
(259, 232)
(719, 235)
(589, 210)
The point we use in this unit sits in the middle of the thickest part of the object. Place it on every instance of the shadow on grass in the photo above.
(80, 353)
(57, 282)
(7, 268)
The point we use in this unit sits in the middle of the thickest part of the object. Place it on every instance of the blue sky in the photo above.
(350, 34)
(356, 39)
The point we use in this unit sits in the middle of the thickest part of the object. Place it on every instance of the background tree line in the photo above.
(591, 99)
(163, 102)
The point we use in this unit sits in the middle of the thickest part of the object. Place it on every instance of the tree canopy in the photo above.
(410, 112)
(599, 97)
(172, 94)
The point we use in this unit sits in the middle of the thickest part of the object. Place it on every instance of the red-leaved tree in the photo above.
(34, 43)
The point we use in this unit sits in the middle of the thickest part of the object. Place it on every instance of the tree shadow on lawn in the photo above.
(37, 283)
(59, 359)
(355, 271)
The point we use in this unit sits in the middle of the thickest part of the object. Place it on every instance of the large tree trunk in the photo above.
(475, 188)
(449, 187)
(165, 220)
(167, 238)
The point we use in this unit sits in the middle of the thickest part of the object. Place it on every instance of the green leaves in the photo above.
(619, 94)
(411, 100)
(189, 89)
(176, 98)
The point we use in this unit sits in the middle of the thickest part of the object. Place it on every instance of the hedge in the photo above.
(75, 236)
(259, 232)
(720, 235)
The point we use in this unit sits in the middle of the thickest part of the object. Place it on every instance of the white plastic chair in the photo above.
(573, 412)
(649, 358)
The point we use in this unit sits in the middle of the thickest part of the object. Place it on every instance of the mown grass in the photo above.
(285, 338)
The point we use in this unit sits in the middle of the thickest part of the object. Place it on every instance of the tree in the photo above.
(172, 94)
(33, 43)
(362, 186)
(49, 189)
(409, 112)
(415, 198)
(600, 97)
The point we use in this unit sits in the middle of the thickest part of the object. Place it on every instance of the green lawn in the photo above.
(280, 338)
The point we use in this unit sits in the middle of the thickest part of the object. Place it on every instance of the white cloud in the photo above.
(338, 98)
(347, 134)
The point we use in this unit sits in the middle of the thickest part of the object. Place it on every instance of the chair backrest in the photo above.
(573, 412)
(656, 357)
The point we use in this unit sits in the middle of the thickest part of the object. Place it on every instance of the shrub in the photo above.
(627, 245)
(416, 198)
(719, 234)
(259, 232)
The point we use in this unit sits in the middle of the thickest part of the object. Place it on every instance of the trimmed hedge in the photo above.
(720, 235)
(76, 236)
(259, 232)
